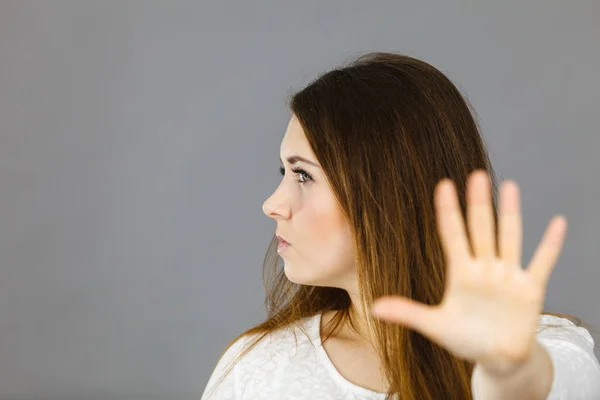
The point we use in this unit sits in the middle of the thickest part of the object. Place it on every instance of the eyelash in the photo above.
(297, 171)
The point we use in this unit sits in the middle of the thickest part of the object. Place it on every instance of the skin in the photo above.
(491, 305)
(309, 217)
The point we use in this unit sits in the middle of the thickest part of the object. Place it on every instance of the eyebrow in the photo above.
(295, 159)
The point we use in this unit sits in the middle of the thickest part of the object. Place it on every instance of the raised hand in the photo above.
(491, 305)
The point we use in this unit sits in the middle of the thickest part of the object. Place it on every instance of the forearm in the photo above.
(532, 382)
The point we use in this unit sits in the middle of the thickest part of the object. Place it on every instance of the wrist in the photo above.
(532, 379)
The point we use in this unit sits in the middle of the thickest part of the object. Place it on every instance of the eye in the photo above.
(299, 171)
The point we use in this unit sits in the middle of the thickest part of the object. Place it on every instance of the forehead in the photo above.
(294, 141)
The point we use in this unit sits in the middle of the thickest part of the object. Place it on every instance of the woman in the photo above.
(389, 199)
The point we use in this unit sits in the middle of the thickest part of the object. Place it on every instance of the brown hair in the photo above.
(386, 129)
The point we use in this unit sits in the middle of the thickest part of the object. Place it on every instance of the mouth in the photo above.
(282, 240)
(283, 244)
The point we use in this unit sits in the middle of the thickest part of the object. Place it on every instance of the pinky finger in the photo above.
(549, 249)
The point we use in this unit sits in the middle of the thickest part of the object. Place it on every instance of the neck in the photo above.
(359, 330)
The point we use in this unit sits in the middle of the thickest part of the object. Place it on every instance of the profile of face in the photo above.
(309, 218)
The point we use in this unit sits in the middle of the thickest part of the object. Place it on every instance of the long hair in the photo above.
(386, 128)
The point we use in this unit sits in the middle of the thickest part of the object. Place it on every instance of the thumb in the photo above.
(405, 311)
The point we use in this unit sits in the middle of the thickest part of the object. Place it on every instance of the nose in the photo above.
(267, 208)
(272, 208)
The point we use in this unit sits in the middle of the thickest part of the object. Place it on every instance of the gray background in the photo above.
(139, 139)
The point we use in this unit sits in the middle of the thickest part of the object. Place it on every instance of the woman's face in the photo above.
(309, 218)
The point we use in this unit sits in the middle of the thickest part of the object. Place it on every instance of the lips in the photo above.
(282, 246)
(282, 240)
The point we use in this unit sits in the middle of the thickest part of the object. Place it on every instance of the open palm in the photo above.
(490, 308)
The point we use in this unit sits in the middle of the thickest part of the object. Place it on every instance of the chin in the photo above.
(300, 276)
(290, 273)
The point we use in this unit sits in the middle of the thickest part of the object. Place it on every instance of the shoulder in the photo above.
(557, 329)
(223, 382)
(266, 352)
(571, 349)
(263, 347)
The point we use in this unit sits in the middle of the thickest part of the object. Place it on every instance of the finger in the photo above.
(549, 249)
(450, 224)
(413, 314)
(510, 225)
(480, 216)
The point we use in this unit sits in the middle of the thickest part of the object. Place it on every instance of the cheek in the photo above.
(323, 254)
(320, 221)
(326, 231)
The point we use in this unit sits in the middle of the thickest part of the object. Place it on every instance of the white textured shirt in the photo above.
(278, 367)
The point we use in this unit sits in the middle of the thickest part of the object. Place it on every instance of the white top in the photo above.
(276, 369)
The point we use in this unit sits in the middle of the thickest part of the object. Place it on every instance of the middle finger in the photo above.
(480, 216)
